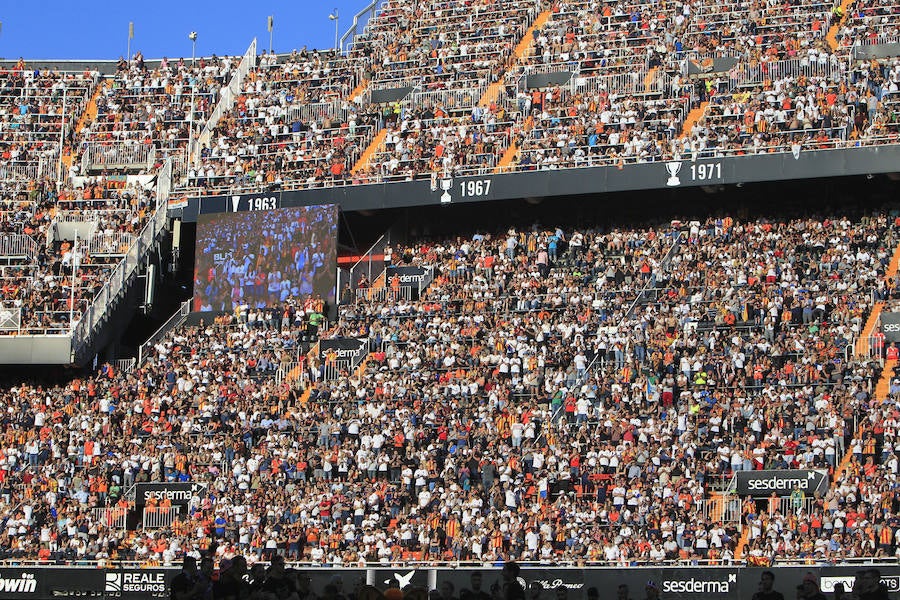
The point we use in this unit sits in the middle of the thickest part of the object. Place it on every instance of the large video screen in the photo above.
(265, 258)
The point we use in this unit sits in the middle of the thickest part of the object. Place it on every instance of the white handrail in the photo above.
(110, 294)
(174, 321)
(229, 94)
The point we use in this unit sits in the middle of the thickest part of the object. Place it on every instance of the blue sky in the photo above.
(53, 29)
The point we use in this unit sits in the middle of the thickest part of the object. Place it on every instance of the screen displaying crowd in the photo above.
(264, 258)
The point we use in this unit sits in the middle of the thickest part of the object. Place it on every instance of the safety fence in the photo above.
(125, 271)
(335, 369)
(227, 99)
(124, 365)
(17, 247)
(102, 156)
(174, 321)
(158, 517)
(10, 319)
(115, 243)
(780, 69)
(45, 166)
(112, 516)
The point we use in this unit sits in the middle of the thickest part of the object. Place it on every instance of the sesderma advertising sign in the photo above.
(353, 349)
(890, 326)
(762, 484)
(673, 584)
(415, 278)
(179, 494)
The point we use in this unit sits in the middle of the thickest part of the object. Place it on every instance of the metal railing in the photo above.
(174, 321)
(164, 183)
(120, 278)
(44, 167)
(116, 243)
(336, 369)
(113, 517)
(293, 373)
(18, 246)
(381, 294)
(618, 83)
(160, 516)
(317, 111)
(124, 365)
(227, 99)
(10, 319)
(364, 265)
(365, 14)
(438, 564)
(751, 74)
(99, 156)
(789, 506)
(455, 99)
(725, 509)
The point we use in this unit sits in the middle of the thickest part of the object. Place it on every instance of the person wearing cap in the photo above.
(651, 591)
(809, 589)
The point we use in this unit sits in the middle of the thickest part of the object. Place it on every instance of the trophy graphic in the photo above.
(673, 168)
(446, 184)
(795, 150)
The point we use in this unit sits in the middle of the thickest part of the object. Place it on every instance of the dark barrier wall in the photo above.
(684, 583)
(564, 182)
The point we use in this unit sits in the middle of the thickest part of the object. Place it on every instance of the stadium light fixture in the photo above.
(193, 37)
(334, 16)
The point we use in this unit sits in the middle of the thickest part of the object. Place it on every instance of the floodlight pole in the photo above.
(62, 137)
(72, 291)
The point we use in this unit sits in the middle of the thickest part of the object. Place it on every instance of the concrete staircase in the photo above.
(520, 53)
(650, 79)
(358, 90)
(507, 159)
(88, 115)
(371, 150)
(692, 118)
(831, 36)
(865, 336)
(491, 94)
(527, 41)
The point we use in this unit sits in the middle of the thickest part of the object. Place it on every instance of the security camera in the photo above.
(193, 36)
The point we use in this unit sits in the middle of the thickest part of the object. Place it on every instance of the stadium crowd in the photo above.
(42, 258)
(576, 396)
(553, 396)
(304, 119)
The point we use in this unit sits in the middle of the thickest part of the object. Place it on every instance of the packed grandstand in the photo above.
(555, 394)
